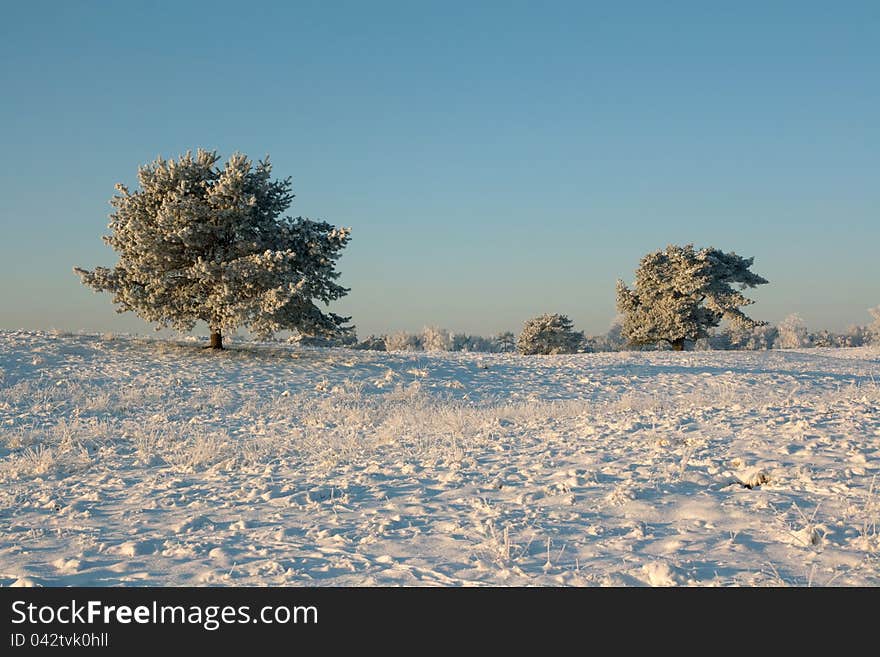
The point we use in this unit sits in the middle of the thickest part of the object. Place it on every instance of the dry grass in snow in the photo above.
(140, 462)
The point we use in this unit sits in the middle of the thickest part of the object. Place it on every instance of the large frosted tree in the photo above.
(201, 242)
(679, 293)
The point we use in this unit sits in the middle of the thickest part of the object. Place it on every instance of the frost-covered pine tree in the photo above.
(549, 334)
(679, 293)
(200, 242)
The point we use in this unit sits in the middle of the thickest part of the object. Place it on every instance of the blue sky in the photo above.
(495, 160)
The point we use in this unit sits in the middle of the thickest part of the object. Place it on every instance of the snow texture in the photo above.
(130, 461)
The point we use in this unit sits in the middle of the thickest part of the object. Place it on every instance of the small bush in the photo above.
(434, 338)
(755, 338)
(792, 333)
(372, 343)
(343, 340)
(403, 341)
(611, 341)
(549, 334)
(873, 330)
(473, 343)
(504, 342)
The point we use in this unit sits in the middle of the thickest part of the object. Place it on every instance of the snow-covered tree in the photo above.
(856, 336)
(341, 339)
(752, 338)
(472, 343)
(372, 343)
(200, 242)
(549, 334)
(435, 338)
(504, 342)
(610, 341)
(874, 328)
(403, 341)
(680, 293)
(792, 333)
(460, 342)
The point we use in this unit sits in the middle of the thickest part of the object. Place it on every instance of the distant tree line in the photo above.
(559, 337)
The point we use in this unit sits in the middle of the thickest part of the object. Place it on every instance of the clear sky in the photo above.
(495, 160)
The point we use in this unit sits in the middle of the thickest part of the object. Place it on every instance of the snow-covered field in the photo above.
(139, 462)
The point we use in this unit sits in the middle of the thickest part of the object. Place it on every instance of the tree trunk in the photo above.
(216, 339)
(677, 345)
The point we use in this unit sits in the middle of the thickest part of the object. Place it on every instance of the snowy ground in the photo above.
(139, 462)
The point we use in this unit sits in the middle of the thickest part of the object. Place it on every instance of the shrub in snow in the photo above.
(762, 337)
(200, 242)
(755, 338)
(679, 293)
(611, 341)
(459, 342)
(477, 343)
(614, 340)
(791, 333)
(472, 343)
(372, 343)
(703, 344)
(857, 336)
(504, 342)
(403, 341)
(436, 339)
(825, 338)
(874, 328)
(344, 339)
(549, 334)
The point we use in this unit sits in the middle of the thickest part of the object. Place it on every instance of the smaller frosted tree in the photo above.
(549, 334)
(680, 293)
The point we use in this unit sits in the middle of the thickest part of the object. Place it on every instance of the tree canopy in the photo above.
(200, 242)
(679, 293)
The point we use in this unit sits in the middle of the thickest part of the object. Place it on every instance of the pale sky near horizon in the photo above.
(495, 160)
